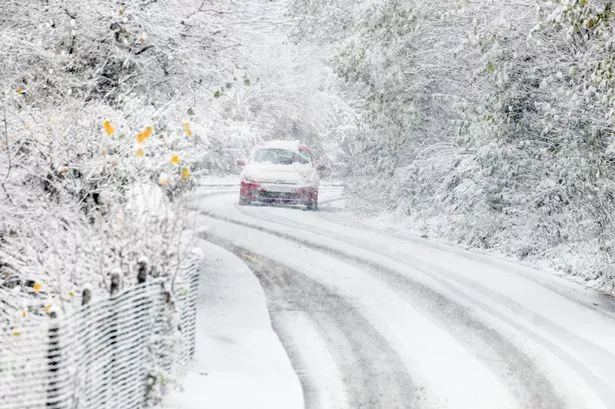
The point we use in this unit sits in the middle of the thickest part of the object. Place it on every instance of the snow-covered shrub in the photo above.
(488, 123)
(541, 131)
(96, 142)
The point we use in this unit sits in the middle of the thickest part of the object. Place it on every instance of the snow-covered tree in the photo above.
(489, 123)
(96, 135)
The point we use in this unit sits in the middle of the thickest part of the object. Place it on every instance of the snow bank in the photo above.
(239, 361)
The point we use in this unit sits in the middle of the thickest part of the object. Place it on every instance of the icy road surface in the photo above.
(376, 319)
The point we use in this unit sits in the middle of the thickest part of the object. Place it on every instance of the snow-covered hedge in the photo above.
(488, 123)
(97, 138)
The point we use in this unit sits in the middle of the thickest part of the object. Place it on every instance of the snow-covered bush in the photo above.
(488, 123)
(540, 134)
(97, 131)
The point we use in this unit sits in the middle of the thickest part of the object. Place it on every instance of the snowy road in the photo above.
(377, 319)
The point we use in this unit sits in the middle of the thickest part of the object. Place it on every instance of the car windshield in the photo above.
(279, 156)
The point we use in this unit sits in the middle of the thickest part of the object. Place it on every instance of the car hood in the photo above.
(270, 173)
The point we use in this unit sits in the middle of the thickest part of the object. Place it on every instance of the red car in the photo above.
(280, 172)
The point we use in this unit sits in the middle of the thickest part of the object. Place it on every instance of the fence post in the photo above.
(53, 364)
(142, 371)
(86, 296)
(113, 291)
(141, 272)
(115, 284)
(85, 370)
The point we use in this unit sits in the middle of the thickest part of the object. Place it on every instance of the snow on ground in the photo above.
(239, 361)
(471, 330)
(422, 346)
(318, 363)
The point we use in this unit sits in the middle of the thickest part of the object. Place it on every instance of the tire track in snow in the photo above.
(445, 372)
(601, 303)
(596, 365)
(373, 374)
(527, 383)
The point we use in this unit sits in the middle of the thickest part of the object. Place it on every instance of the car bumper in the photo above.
(274, 193)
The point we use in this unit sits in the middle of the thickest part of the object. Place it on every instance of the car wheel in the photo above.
(243, 201)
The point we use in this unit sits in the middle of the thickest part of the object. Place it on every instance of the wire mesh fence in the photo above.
(117, 353)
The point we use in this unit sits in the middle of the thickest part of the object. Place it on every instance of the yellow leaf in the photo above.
(187, 128)
(24, 314)
(174, 160)
(16, 333)
(21, 91)
(71, 293)
(185, 173)
(109, 129)
(48, 308)
(146, 133)
(37, 287)
(140, 152)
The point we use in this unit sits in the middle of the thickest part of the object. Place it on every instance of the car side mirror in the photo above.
(240, 162)
(321, 167)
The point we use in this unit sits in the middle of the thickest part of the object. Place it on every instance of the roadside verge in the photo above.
(239, 360)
